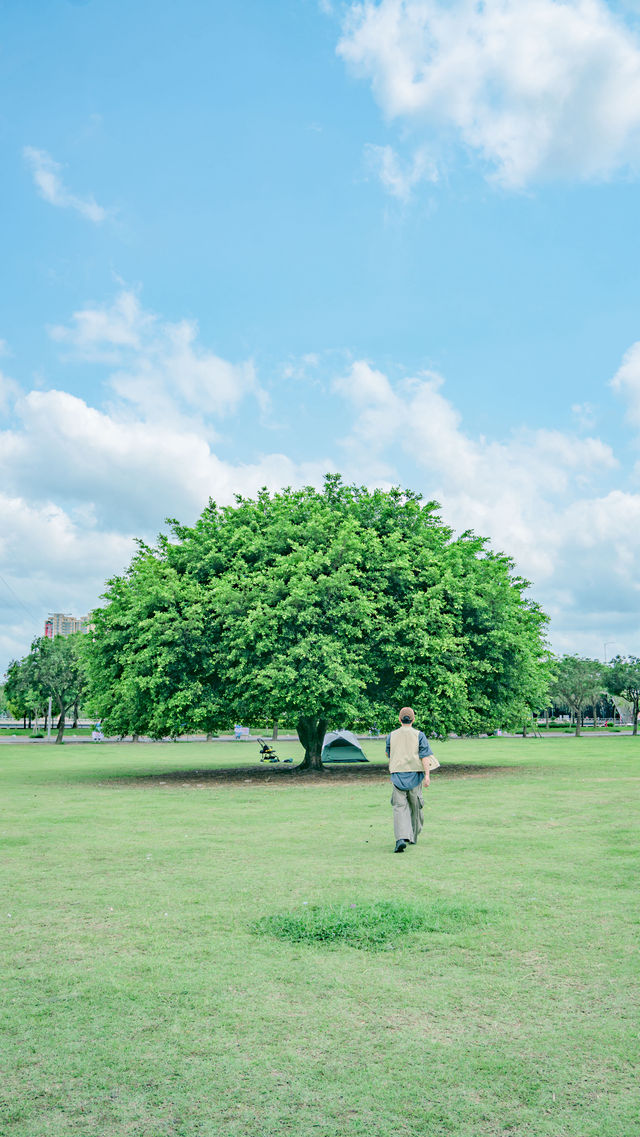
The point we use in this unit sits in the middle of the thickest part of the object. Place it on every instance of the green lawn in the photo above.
(137, 999)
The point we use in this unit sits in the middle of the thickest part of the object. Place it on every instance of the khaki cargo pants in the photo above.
(408, 817)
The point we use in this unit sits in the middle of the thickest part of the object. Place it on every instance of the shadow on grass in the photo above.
(295, 775)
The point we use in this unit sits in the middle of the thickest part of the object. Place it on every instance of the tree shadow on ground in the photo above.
(295, 775)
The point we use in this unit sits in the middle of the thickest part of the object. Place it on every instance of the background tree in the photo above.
(54, 667)
(623, 679)
(23, 694)
(576, 682)
(327, 608)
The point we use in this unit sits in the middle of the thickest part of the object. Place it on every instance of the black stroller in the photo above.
(268, 754)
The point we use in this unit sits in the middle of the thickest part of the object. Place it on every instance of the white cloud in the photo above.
(397, 178)
(133, 472)
(46, 175)
(9, 392)
(537, 495)
(51, 561)
(537, 88)
(99, 334)
(626, 382)
(159, 367)
(50, 538)
(584, 415)
(494, 486)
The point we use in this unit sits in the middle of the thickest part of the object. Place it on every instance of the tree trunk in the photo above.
(311, 732)
(274, 732)
(135, 737)
(546, 718)
(75, 715)
(209, 737)
(60, 734)
(578, 722)
(635, 716)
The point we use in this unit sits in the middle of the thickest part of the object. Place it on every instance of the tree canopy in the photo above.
(23, 694)
(53, 668)
(326, 608)
(577, 683)
(623, 679)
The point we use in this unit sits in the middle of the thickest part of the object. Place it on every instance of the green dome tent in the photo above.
(342, 746)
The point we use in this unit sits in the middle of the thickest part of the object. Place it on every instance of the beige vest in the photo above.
(404, 750)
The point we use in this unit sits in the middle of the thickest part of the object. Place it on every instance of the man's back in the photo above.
(404, 749)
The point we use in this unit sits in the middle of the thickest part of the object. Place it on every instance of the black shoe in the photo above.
(400, 846)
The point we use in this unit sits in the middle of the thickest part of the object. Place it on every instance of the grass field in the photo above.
(137, 998)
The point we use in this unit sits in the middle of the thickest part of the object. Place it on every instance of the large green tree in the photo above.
(623, 678)
(327, 608)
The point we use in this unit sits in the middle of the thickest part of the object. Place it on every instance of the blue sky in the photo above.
(248, 243)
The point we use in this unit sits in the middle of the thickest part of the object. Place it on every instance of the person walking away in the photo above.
(408, 751)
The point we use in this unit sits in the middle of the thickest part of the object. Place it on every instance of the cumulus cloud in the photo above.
(50, 560)
(626, 382)
(538, 89)
(536, 494)
(50, 186)
(398, 178)
(585, 415)
(98, 334)
(133, 472)
(9, 392)
(158, 367)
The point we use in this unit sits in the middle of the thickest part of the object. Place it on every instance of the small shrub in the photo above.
(370, 926)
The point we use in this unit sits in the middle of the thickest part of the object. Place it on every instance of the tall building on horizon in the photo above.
(59, 624)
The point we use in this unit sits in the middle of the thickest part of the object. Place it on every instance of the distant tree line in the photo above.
(579, 683)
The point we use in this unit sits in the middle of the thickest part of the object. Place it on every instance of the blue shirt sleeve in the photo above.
(388, 746)
(424, 750)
